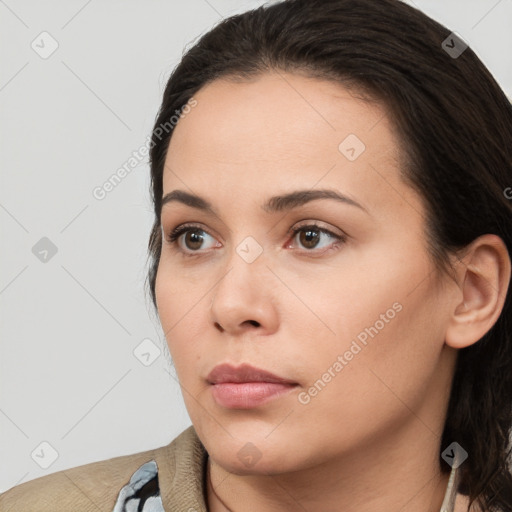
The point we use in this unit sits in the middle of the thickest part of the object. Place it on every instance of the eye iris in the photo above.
(306, 237)
(195, 238)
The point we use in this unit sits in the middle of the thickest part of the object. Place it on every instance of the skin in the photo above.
(370, 439)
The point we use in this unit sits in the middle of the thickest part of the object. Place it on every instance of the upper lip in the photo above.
(243, 373)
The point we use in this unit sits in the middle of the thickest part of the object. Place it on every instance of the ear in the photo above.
(483, 278)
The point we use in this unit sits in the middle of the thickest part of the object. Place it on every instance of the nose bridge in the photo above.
(243, 293)
(246, 265)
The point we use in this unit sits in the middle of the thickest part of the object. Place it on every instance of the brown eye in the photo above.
(193, 239)
(310, 237)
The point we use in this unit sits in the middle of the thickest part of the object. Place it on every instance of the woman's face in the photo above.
(352, 315)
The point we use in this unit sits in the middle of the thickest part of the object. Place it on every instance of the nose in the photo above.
(244, 299)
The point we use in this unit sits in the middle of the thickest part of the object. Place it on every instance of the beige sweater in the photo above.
(95, 487)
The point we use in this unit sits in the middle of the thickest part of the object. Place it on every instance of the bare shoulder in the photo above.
(92, 487)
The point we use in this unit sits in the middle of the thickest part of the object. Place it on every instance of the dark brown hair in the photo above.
(454, 126)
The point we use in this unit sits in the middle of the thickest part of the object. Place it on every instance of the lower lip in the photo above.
(246, 395)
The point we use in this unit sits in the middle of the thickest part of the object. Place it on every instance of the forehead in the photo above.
(279, 132)
(278, 111)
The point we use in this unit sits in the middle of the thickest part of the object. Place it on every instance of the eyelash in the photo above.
(175, 234)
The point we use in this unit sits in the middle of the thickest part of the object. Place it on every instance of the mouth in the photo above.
(247, 395)
(225, 372)
(245, 386)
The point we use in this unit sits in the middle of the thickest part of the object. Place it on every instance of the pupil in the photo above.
(309, 235)
(198, 239)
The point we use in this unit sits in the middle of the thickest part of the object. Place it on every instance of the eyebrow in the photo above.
(274, 204)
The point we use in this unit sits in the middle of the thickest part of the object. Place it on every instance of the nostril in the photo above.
(253, 322)
(219, 327)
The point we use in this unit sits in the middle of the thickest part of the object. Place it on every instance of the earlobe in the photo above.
(483, 278)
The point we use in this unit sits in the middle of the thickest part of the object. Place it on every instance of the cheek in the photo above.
(363, 389)
(341, 302)
(181, 313)
(380, 334)
(177, 296)
(373, 291)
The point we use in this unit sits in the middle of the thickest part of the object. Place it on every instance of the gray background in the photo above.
(70, 324)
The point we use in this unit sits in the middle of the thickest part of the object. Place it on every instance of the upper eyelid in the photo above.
(181, 229)
(298, 225)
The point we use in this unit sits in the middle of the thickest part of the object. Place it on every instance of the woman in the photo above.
(330, 263)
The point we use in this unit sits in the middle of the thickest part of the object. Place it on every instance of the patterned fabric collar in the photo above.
(142, 493)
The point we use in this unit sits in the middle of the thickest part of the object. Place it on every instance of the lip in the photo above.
(247, 395)
(245, 386)
(223, 373)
